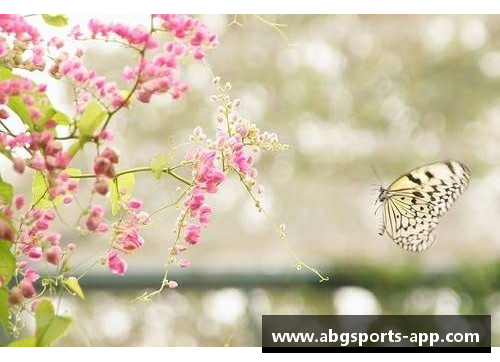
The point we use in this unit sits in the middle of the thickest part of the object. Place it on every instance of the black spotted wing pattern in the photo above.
(415, 202)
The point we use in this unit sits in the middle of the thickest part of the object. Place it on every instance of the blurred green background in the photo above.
(353, 94)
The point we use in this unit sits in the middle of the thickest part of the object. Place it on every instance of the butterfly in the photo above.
(413, 204)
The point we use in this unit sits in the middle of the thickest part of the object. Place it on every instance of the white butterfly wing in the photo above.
(415, 202)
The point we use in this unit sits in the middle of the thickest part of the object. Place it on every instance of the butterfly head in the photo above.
(383, 193)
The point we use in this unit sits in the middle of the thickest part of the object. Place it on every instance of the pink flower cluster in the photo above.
(48, 157)
(25, 289)
(138, 36)
(15, 27)
(17, 86)
(95, 221)
(104, 169)
(192, 31)
(36, 242)
(86, 80)
(207, 178)
(127, 238)
(157, 76)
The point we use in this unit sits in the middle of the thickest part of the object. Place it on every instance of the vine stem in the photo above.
(168, 170)
(142, 54)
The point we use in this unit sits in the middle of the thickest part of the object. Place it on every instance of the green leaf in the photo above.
(49, 327)
(7, 261)
(122, 188)
(39, 189)
(73, 285)
(6, 192)
(5, 72)
(78, 145)
(25, 342)
(91, 118)
(57, 20)
(42, 103)
(158, 163)
(4, 310)
(17, 105)
(61, 119)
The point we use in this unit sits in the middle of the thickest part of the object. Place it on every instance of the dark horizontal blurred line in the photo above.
(151, 279)
(475, 279)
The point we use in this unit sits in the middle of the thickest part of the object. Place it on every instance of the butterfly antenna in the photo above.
(376, 174)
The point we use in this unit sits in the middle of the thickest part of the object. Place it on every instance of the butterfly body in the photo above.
(413, 203)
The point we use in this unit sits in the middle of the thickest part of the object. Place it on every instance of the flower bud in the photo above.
(6, 232)
(172, 284)
(183, 263)
(27, 288)
(4, 114)
(101, 165)
(101, 186)
(16, 296)
(19, 164)
(110, 154)
(53, 255)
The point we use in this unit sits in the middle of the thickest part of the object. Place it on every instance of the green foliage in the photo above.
(7, 261)
(49, 327)
(73, 285)
(7, 268)
(25, 342)
(158, 163)
(4, 309)
(91, 119)
(57, 20)
(42, 103)
(39, 189)
(6, 192)
(5, 72)
(122, 188)
(16, 104)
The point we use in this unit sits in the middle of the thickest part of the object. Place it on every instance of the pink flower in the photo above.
(103, 227)
(110, 154)
(205, 212)
(103, 166)
(116, 264)
(31, 274)
(101, 185)
(53, 255)
(131, 240)
(54, 238)
(19, 165)
(183, 263)
(35, 253)
(106, 135)
(196, 200)
(38, 163)
(172, 284)
(71, 246)
(135, 204)
(56, 42)
(19, 201)
(27, 288)
(192, 233)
